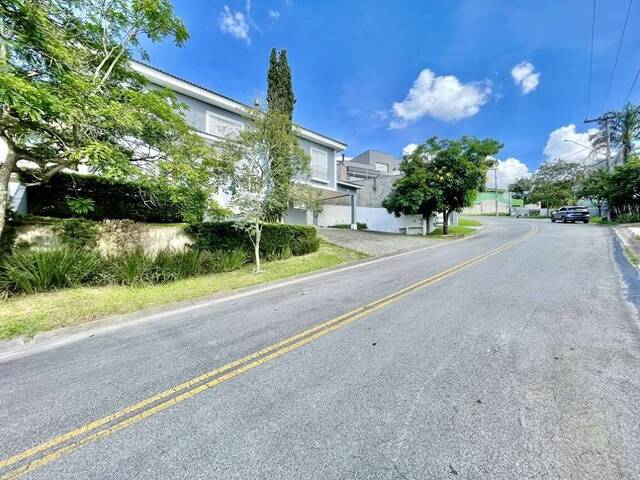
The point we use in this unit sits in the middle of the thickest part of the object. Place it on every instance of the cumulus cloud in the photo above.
(443, 98)
(509, 171)
(525, 75)
(409, 149)
(274, 14)
(235, 23)
(567, 144)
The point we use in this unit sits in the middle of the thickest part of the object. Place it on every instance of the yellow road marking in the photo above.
(172, 396)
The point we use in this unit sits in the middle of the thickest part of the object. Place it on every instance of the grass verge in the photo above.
(633, 258)
(28, 314)
(454, 231)
(468, 222)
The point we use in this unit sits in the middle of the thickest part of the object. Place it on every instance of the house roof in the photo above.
(191, 89)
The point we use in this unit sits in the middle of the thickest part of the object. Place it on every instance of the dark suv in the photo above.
(571, 214)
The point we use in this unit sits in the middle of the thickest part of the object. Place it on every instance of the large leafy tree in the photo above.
(594, 187)
(414, 192)
(555, 183)
(69, 97)
(443, 176)
(625, 129)
(281, 100)
(623, 193)
(521, 189)
(252, 184)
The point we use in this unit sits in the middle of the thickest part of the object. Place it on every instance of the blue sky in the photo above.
(383, 75)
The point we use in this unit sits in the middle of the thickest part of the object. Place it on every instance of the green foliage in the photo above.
(280, 96)
(441, 176)
(70, 97)
(555, 183)
(594, 187)
(134, 200)
(360, 226)
(628, 217)
(77, 233)
(275, 236)
(31, 271)
(521, 189)
(305, 245)
(624, 189)
(81, 206)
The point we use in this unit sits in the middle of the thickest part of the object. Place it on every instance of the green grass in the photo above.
(455, 231)
(632, 256)
(26, 315)
(468, 222)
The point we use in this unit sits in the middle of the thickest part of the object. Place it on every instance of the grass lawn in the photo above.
(28, 314)
(455, 231)
(468, 222)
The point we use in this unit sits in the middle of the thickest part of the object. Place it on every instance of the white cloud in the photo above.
(409, 149)
(525, 75)
(444, 98)
(509, 171)
(235, 23)
(274, 14)
(567, 144)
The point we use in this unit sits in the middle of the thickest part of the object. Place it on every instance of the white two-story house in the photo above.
(213, 116)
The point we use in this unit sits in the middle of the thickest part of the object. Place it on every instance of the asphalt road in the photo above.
(523, 363)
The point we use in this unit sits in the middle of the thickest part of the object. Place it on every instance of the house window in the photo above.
(382, 167)
(223, 127)
(319, 165)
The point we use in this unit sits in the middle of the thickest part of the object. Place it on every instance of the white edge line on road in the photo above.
(33, 347)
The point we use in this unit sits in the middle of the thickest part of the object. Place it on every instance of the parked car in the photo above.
(571, 214)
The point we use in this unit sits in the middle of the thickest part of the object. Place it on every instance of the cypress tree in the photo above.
(287, 99)
(272, 81)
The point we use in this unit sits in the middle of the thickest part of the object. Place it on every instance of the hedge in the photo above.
(276, 238)
(113, 200)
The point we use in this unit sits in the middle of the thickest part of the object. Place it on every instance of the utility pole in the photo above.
(606, 118)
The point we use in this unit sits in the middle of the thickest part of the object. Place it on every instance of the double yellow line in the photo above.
(47, 452)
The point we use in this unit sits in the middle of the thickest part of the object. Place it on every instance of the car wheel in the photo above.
(564, 219)
(553, 220)
(586, 221)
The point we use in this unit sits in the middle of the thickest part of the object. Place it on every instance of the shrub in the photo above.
(628, 217)
(131, 267)
(226, 236)
(77, 233)
(229, 261)
(303, 246)
(108, 199)
(32, 271)
(360, 226)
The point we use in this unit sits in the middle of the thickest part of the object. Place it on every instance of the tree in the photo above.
(280, 99)
(521, 189)
(623, 194)
(413, 193)
(446, 174)
(252, 184)
(594, 187)
(626, 129)
(555, 183)
(69, 97)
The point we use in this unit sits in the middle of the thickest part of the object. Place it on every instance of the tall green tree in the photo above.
(69, 97)
(442, 175)
(623, 194)
(252, 184)
(625, 130)
(555, 183)
(414, 192)
(594, 187)
(280, 99)
(521, 189)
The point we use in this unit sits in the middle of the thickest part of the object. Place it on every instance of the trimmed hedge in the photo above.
(276, 238)
(112, 200)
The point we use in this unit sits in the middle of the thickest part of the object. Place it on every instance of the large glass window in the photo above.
(319, 165)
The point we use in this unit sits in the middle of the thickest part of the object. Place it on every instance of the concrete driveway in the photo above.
(374, 243)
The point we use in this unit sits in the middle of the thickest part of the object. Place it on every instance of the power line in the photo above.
(615, 63)
(593, 33)
(632, 86)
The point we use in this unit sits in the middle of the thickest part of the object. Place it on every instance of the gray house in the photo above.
(214, 116)
(369, 164)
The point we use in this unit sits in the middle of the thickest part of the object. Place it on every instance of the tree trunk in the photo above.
(600, 209)
(256, 249)
(445, 222)
(6, 168)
